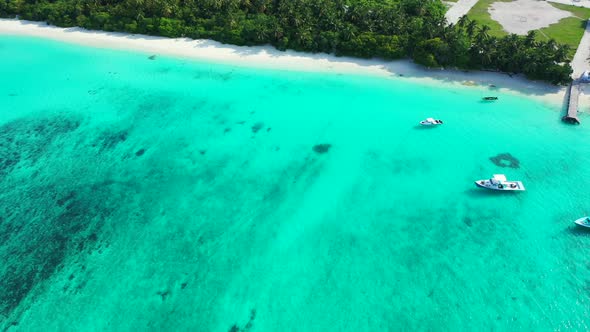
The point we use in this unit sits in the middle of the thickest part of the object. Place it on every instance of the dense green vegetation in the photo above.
(388, 29)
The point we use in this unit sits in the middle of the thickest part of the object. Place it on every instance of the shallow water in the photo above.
(165, 194)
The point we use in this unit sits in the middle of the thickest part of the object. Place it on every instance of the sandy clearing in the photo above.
(522, 16)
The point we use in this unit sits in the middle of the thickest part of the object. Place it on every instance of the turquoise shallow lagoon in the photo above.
(165, 194)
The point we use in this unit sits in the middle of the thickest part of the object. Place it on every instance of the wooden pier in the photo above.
(572, 103)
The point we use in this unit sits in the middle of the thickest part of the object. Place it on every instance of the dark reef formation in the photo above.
(46, 221)
(71, 187)
(468, 221)
(505, 160)
(27, 140)
(111, 138)
(322, 148)
(257, 126)
(247, 326)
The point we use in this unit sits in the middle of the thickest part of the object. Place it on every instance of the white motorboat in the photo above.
(499, 182)
(431, 122)
(584, 222)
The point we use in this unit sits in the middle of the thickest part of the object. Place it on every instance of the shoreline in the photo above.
(271, 58)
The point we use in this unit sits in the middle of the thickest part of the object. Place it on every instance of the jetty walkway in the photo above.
(579, 65)
(573, 95)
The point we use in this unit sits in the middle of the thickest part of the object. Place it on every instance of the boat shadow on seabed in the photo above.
(578, 230)
(420, 127)
(481, 193)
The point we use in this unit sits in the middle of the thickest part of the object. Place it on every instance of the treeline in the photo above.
(388, 29)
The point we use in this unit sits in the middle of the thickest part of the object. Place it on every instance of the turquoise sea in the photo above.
(170, 195)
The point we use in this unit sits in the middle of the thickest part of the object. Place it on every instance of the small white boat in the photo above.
(584, 222)
(499, 182)
(431, 122)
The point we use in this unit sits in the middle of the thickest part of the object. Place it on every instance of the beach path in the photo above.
(459, 9)
(580, 61)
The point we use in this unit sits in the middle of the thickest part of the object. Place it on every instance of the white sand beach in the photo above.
(269, 57)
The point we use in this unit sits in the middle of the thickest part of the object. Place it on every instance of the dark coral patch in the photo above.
(140, 152)
(29, 139)
(110, 139)
(257, 126)
(50, 244)
(66, 198)
(322, 148)
(163, 295)
(467, 221)
(152, 57)
(505, 160)
(19, 279)
(247, 327)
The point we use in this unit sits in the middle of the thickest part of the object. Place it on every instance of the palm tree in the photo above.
(348, 32)
(471, 26)
(561, 53)
(481, 40)
(446, 30)
(512, 53)
(463, 21)
(441, 21)
(482, 47)
(529, 40)
(482, 34)
(490, 51)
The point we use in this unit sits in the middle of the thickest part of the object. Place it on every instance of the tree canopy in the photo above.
(388, 29)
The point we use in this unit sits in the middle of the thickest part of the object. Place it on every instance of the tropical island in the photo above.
(304, 181)
(387, 29)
